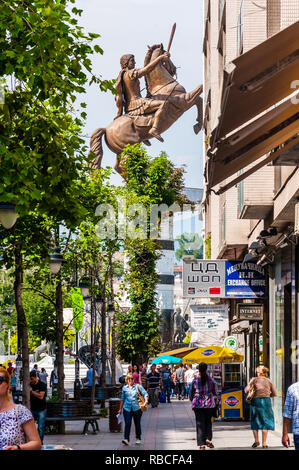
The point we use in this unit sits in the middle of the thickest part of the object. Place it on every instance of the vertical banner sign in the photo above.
(77, 304)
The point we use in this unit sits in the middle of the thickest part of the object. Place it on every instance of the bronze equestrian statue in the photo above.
(140, 119)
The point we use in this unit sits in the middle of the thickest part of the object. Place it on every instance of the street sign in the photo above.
(203, 278)
(223, 279)
(252, 312)
(244, 280)
(209, 317)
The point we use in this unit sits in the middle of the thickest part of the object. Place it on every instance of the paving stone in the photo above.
(168, 427)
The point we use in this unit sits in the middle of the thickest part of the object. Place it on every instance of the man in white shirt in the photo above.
(189, 376)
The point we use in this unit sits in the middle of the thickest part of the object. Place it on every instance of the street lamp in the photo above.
(84, 285)
(56, 260)
(8, 215)
(111, 317)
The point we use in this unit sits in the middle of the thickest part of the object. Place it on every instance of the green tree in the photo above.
(189, 244)
(148, 181)
(45, 64)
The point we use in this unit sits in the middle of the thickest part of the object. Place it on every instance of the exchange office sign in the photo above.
(204, 278)
(244, 280)
(223, 279)
(209, 317)
(250, 312)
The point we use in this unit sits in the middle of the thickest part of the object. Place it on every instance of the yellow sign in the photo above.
(232, 404)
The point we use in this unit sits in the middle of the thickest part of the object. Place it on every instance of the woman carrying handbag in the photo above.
(132, 405)
(259, 392)
(203, 397)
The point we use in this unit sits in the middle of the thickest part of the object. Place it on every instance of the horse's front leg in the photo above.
(197, 127)
(193, 98)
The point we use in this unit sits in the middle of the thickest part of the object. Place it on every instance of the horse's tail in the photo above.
(96, 146)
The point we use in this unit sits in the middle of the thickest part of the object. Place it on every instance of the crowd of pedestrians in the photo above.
(150, 385)
(160, 383)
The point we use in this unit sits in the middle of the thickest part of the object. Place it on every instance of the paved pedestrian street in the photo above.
(168, 427)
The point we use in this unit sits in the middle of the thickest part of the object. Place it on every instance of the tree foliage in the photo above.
(189, 244)
(148, 181)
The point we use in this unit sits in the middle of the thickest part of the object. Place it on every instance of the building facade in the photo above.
(251, 173)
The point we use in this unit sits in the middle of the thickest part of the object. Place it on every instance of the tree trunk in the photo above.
(22, 326)
(112, 327)
(93, 346)
(103, 343)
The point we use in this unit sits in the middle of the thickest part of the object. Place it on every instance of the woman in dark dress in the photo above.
(203, 397)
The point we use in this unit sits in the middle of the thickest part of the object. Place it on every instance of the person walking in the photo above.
(89, 377)
(154, 382)
(130, 408)
(38, 393)
(173, 383)
(166, 381)
(10, 368)
(189, 376)
(203, 397)
(143, 380)
(35, 368)
(136, 375)
(261, 412)
(17, 427)
(291, 415)
(180, 381)
(54, 380)
(43, 375)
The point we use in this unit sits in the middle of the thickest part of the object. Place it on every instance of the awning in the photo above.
(253, 141)
(180, 352)
(257, 80)
(212, 355)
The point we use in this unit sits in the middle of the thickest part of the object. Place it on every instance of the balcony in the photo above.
(255, 194)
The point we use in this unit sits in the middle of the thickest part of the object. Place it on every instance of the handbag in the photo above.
(141, 401)
(251, 393)
(162, 397)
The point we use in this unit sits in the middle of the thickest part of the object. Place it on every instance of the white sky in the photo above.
(129, 26)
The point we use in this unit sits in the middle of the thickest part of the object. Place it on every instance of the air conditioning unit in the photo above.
(296, 226)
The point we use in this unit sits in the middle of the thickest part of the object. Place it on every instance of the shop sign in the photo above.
(204, 278)
(209, 317)
(252, 312)
(223, 279)
(244, 280)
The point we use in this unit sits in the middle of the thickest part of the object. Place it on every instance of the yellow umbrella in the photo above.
(181, 352)
(212, 355)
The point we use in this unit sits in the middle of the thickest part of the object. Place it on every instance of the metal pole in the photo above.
(77, 388)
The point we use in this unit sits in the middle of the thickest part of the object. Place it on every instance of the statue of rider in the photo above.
(129, 99)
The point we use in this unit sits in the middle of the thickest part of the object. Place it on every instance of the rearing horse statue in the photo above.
(169, 98)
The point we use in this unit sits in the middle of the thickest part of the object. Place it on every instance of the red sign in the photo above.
(215, 290)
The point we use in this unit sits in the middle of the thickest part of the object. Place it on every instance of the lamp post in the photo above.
(55, 263)
(56, 260)
(8, 215)
(111, 316)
